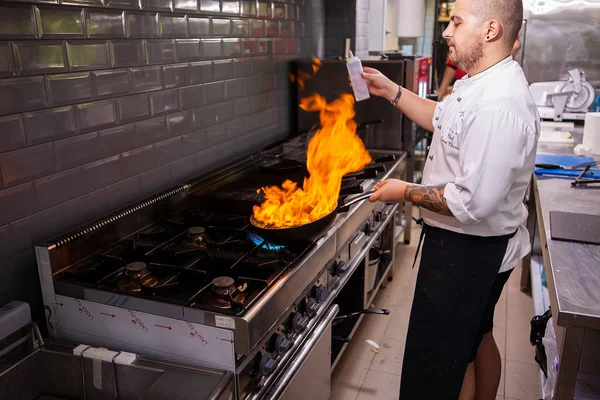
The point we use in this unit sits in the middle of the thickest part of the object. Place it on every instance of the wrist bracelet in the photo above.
(397, 96)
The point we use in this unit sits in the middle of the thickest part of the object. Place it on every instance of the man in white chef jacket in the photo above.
(477, 171)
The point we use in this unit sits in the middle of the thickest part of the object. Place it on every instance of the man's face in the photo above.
(465, 36)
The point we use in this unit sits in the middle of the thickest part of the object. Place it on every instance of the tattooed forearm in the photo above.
(427, 197)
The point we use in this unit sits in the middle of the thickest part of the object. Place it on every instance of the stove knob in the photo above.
(267, 365)
(321, 294)
(282, 343)
(341, 267)
(311, 307)
(299, 322)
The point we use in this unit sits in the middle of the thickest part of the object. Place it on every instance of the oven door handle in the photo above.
(288, 374)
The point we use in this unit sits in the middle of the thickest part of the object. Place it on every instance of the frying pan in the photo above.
(306, 233)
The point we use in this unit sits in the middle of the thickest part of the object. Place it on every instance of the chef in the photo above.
(476, 173)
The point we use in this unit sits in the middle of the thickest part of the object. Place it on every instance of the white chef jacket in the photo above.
(483, 154)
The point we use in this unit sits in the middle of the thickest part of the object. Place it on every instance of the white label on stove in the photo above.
(121, 329)
(224, 322)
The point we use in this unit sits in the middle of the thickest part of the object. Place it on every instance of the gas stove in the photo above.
(184, 276)
(196, 259)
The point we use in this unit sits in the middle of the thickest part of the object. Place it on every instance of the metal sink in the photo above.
(53, 373)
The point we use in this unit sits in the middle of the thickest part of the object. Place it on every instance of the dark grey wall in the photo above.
(105, 102)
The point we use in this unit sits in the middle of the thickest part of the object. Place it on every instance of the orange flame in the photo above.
(333, 152)
(304, 76)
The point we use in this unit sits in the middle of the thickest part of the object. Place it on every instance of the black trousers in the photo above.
(454, 283)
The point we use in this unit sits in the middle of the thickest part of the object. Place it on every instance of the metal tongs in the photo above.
(581, 180)
(568, 167)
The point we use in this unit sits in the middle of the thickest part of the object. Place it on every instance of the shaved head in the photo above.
(508, 12)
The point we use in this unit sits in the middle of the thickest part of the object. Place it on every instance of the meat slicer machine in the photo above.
(563, 100)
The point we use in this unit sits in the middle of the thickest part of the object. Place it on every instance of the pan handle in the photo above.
(355, 200)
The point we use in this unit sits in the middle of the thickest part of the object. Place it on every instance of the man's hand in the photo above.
(379, 84)
(397, 191)
(389, 191)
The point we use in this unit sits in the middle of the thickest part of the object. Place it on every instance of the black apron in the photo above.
(455, 279)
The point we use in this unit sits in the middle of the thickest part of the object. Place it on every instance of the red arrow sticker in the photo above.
(165, 327)
(108, 315)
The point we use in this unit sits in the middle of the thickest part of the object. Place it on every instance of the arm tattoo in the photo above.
(428, 197)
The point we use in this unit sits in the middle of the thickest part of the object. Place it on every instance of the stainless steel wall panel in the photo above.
(39, 57)
(58, 23)
(112, 83)
(87, 55)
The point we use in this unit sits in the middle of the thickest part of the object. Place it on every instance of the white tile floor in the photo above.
(362, 375)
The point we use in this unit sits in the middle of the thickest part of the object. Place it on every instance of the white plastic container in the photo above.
(359, 86)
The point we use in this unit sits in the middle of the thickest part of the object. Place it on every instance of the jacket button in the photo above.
(436, 118)
(459, 99)
(431, 157)
(439, 127)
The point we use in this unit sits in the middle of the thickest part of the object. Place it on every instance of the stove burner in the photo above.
(227, 293)
(259, 241)
(135, 267)
(223, 285)
(197, 235)
(136, 276)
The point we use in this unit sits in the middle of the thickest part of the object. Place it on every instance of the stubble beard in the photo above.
(469, 55)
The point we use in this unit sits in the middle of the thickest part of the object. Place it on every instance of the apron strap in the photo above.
(419, 222)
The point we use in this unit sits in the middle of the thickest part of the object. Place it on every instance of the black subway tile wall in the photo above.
(105, 102)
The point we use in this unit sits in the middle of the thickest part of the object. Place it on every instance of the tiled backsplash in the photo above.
(105, 102)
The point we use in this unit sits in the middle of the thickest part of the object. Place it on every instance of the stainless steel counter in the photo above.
(572, 272)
